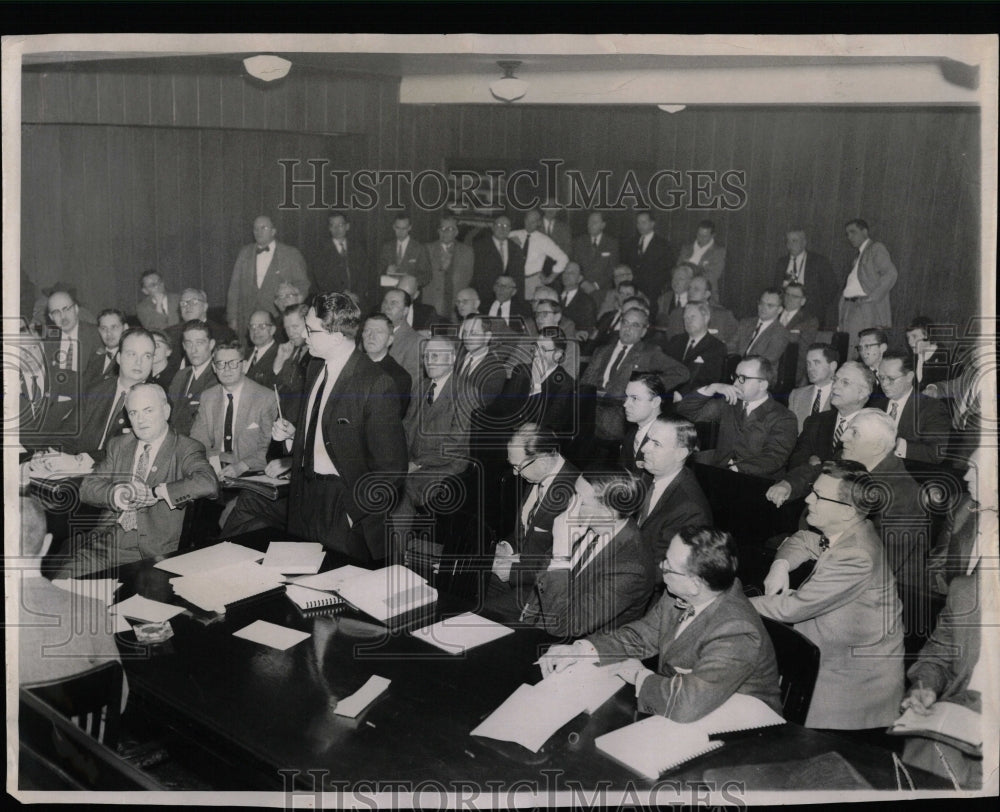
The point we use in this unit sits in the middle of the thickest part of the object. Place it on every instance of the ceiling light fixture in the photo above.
(267, 67)
(671, 108)
(509, 88)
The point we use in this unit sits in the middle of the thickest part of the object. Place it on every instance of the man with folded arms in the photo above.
(848, 606)
(709, 640)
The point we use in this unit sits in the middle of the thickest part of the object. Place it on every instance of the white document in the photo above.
(140, 608)
(101, 589)
(456, 635)
(332, 580)
(388, 592)
(655, 744)
(271, 634)
(739, 712)
(587, 683)
(294, 557)
(528, 717)
(355, 703)
(218, 555)
(214, 589)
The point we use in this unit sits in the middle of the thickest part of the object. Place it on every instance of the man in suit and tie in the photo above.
(190, 383)
(78, 343)
(923, 426)
(554, 228)
(159, 309)
(756, 433)
(721, 324)
(260, 267)
(404, 255)
(864, 300)
(601, 574)
(376, 339)
(342, 265)
(350, 445)
(144, 484)
(675, 298)
(496, 255)
(259, 366)
(609, 301)
(848, 607)
(872, 345)
(609, 323)
(702, 353)
(705, 256)
(194, 307)
(102, 364)
(550, 487)
(930, 362)
(507, 306)
(543, 259)
(709, 640)
(451, 268)
(597, 255)
(611, 369)
(645, 397)
(481, 373)
(674, 499)
(291, 361)
(650, 256)
(764, 334)
(421, 316)
(405, 348)
(800, 322)
(821, 365)
(576, 304)
(813, 272)
(45, 416)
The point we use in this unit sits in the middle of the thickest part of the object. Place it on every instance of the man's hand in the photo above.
(132, 496)
(776, 581)
(275, 468)
(778, 493)
(727, 390)
(557, 658)
(920, 699)
(233, 470)
(587, 287)
(629, 669)
(931, 391)
(282, 430)
(412, 467)
(582, 335)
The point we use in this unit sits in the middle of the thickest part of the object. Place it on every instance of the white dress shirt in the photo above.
(70, 339)
(322, 464)
(853, 287)
(540, 247)
(698, 251)
(263, 262)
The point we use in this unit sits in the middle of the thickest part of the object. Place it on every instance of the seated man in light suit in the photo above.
(764, 334)
(710, 642)
(848, 606)
(159, 309)
(802, 325)
(144, 483)
(705, 256)
(821, 365)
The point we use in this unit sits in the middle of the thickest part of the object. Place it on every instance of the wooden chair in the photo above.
(798, 666)
(91, 699)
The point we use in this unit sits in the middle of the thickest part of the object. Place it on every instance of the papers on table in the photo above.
(355, 703)
(529, 717)
(332, 580)
(947, 722)
(140, 608)
(271, 634)
(311, 598)
(456, 635)
(294, 557)
(739, 712)
(387, 593)
(101, 589)
(655, 744)
(209, 558)
(214, 589)
(587, 683)
(57, 465)
(121, 624)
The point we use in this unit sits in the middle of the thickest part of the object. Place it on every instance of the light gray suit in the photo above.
(252, 421)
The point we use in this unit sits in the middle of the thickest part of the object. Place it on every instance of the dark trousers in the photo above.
(255, 512)
(317, 512)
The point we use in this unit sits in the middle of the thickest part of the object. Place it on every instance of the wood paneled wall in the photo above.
(912, 174)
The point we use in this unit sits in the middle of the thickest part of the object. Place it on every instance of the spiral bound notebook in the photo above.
(654, 744)
(308, 599)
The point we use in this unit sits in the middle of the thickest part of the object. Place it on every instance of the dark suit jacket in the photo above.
(553, 408)
(651, 270)
(603, 332)
(488, 265)
(180, 463)
(333, 271)
(707, 360)
(520, 313)
(815, 440)
(95, 369)
(423, 316)
(760, 443)
(596, 264)
(802, 330)
(612, 589)
(415, 260)
(364, 438)
(401, 380)
(582, 311)
(722, 324)
(437, 435)
(627, 455)
(153, 319)
(184, 408)
(935, 370)
(95, 407)
(244, 297)
(262, 371)
(88, 344)
(822, 287)
(440, 291)
(770, 343)
(724, 650)
(925, 425)
(291, 383)
(682, 503)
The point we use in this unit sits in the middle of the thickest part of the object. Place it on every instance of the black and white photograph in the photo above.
(496, 421)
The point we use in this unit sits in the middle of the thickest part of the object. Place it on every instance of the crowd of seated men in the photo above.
(563, 397)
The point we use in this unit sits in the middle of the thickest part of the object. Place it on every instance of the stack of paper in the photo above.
(456, 635)
(529, 717)
(947, 722)
(332, 580)
(140, 608)
(207, 559)
(271, 634)
(352, 705)
(587, 683)
(214, 589)
(294, 557)
(655, 744)
(101, 589)
(311, 598)
(387, 593)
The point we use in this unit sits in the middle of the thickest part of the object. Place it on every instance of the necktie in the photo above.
(615, 362)
(128, 519)
(253, 360)
(527, 239)
(310, 441)
(565, 296)
(647, 502)
(399, 253)
(753, 338)
(466, 365)
(687, 610)
(227, 426)
(530, 522)
(430, 393)
(839, 431)
(641, 248)
(187, 389)
(503, 254)
(687, 352)
(116, 409)
(596, 242)
(816, 401)
(795, 269)
(163, 306)
(893, 410)
(824, 543)
(446, 255)
(69, 356)
(263, 250)
(109, 359)
(342, 248)
(582, 549)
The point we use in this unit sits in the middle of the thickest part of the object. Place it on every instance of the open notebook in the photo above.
(946, 722)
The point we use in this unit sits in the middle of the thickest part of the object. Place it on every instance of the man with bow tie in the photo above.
(260, 267)
(103, 363)
(709, 640)
(847, 606)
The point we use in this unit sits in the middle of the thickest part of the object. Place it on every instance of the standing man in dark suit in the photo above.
(597, 255)
(756, 433)
(350, 443)
(260, 267)
(923, 426)
(813, 272)
(764, 334)
(342, 264)
(376, 339)
(110, 325)
(496, 255)
(404, 255)
(451, 268)
(576, 304)
(702, 353)
(188, 384)
(650, 256)
(865, 298)
(78, 343)
(674, 499)
(801, 324)
(159, 309)
(144, 484)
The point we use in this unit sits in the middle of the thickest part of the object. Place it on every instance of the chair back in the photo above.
(841, 343)
(787, 369)
(729, 370)
(91, 699)
(798, 666)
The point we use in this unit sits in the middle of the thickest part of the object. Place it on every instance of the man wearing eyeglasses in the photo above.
(848, 606)
(78, 343)
(194, 307)
(922, 423)
(756, 433)
(872, 345)
(451, 268)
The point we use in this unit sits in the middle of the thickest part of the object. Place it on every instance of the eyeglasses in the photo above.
(234, 364)
(55, 313)
(745, 378)
(890, 380)
(189, 302)
(312, 330)
(519, 468)
(260, 326)
(828, 499)
(860, 347)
